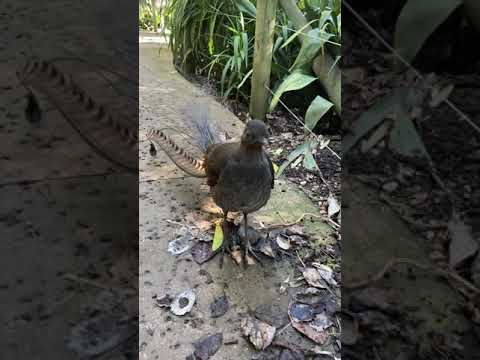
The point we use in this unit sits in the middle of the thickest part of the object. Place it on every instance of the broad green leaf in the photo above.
(404, 138)
(372, 117)
(316, 110)
(296, 80)
(300, 150)
(217, 237)
(309, 162)
(417, 21)
(310, 48)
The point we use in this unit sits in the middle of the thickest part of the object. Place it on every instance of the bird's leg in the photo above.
(226, 237)
(248, 250)
(247, 242)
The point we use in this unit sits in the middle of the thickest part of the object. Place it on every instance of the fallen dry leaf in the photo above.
(259, 333)
(283, 242)
(202, 252)
(462, 243)
(333, 206)
(207, 346)
(313, 278)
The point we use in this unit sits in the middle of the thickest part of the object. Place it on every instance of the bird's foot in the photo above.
(225, 244)
(246, 256)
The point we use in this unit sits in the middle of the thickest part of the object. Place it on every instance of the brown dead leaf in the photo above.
(259, 333)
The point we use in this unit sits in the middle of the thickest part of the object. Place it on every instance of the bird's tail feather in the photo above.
(203, 134)
(177, 154)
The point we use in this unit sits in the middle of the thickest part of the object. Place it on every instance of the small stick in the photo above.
(271, 227)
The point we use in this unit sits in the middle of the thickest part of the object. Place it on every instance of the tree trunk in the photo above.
(262, 57)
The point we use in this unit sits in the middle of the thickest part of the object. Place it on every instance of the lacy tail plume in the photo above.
(177, 154)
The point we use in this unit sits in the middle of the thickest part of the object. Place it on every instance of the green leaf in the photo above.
(275, 167)
(310, 48)
(277, 43)
(404, 138)
(245, 78)
(316, 110)
(296, 33)
(296, 80)
(217, 237)
(247, 7)
(224, 74)
(245, 47)
(300, 150)
(372, 117)
(417, 21)
(236, 46)
(309, 162)
(325, 16)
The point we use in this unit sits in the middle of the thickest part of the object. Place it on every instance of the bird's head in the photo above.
(255, 133)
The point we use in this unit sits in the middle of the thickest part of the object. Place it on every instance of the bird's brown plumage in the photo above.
(240, 174)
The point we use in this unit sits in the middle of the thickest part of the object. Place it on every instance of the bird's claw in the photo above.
(249, 251)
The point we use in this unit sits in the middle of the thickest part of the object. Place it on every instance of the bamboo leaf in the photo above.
(247, 7)
(224, 74)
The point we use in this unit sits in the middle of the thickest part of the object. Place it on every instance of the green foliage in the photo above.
(316, 110)
(146, 15)
(303, 153)
(294, 81)
(216, 39)
(417, 21)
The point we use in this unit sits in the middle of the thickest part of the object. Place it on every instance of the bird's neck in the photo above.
(251, 151)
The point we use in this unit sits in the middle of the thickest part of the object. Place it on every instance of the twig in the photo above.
(275, 226)
(303, 264)
(283, 328)
(399, 261)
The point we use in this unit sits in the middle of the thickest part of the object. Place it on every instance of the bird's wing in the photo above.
(217, 158)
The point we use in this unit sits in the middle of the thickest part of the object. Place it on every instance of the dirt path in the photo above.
(166, 196)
